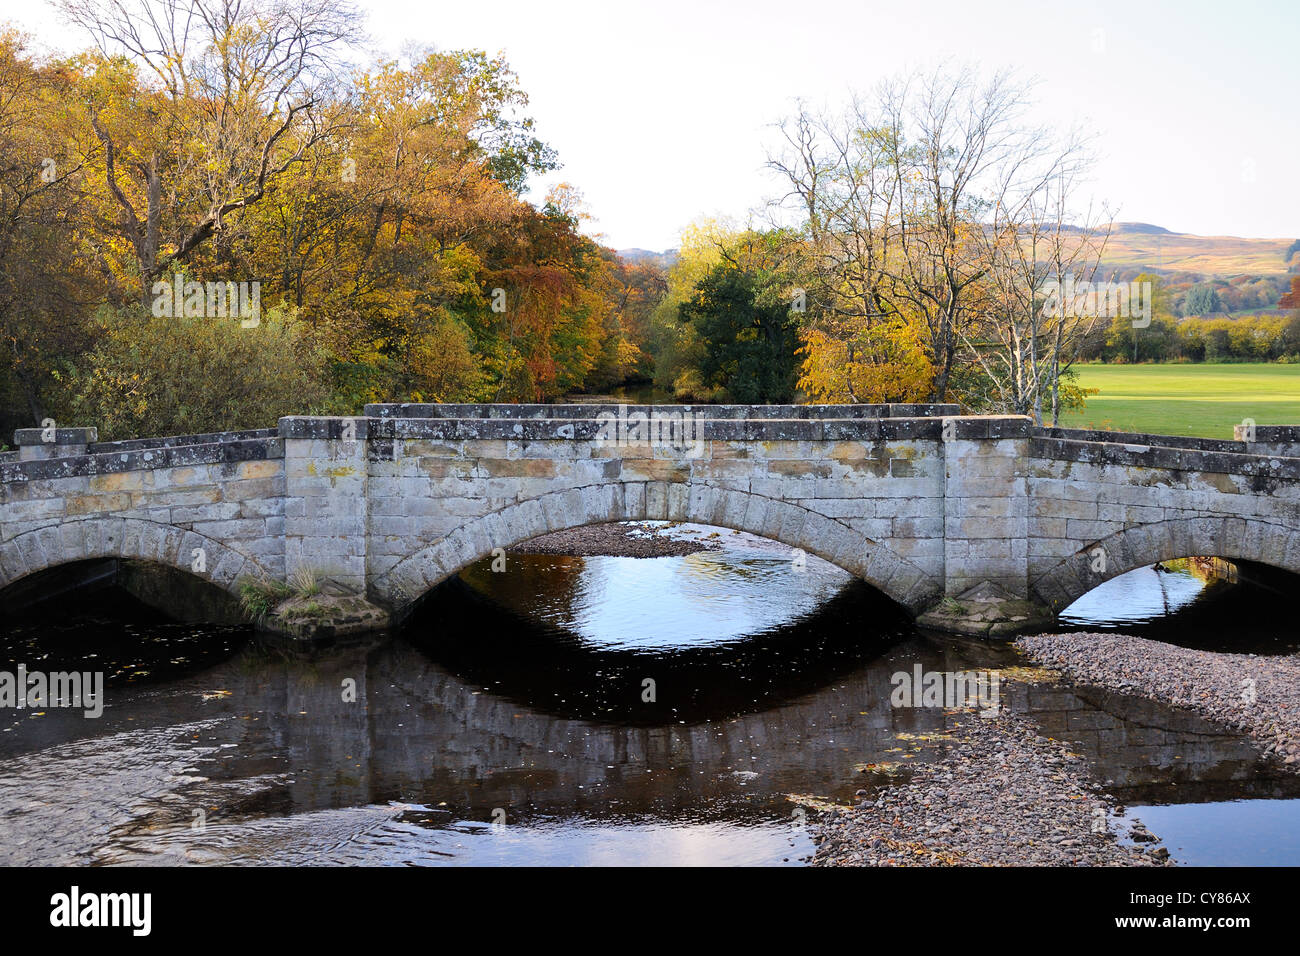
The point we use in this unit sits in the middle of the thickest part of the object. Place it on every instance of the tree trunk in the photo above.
(148, 251)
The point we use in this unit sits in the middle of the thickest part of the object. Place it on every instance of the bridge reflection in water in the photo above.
(475, 712)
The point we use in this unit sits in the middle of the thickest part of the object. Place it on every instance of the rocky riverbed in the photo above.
(1259, 695)
(628, 540)
(1001, 795)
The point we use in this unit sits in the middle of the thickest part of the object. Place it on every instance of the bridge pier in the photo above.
(986, 534)
(325, 499)
(985, 510)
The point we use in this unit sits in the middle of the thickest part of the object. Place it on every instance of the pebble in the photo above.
(1259, 696)
(1000, 795)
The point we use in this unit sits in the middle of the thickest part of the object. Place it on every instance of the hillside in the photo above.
(1146, 247)
(1143, 246)
(636, 256)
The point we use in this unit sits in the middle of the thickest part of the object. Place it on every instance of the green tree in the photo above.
(749, 335)
(1126, 342)
(1203, 299)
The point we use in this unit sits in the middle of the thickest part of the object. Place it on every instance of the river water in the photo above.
(570, 710)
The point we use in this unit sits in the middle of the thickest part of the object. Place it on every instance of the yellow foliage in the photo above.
(885, 362)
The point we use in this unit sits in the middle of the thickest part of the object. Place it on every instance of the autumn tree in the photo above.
(1291, 299)
(675, 344)
(200, 107)
(1036, 245)
(891, 195)
(384, 237)
(382, 211)
(49, 276)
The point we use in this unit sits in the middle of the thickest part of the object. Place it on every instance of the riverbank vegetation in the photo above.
(369, 221)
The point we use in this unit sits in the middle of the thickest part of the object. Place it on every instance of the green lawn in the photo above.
(1203, 400)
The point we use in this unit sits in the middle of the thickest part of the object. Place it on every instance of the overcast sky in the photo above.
(661, 110)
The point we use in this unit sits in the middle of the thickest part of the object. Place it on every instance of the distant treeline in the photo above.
(1191, 294)
(1254, 338)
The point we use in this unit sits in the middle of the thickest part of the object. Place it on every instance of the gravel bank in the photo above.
(1000, 796)
(616, 540)
(1257, 695)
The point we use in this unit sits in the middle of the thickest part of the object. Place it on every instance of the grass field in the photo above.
(1203, 400)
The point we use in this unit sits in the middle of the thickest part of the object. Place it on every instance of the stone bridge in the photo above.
(920, 501)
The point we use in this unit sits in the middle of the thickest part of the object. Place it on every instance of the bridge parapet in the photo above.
(709, 429)
(180, 441)
(37, 444)
(584, 410)
(1270, 439)
(1144, 438)
(1248, 460)
(144, 455)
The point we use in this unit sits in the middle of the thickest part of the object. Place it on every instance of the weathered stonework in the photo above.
(919, 501)
(35, 444)
(1099, 509)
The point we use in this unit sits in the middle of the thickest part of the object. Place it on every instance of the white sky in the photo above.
(660, 110)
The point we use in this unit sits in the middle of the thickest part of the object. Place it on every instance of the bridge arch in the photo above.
(130, 538)
(1246, 539)
(785, 522)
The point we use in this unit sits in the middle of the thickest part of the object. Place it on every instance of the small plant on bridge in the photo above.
(306, 603)
(304, 582)
(259, 596)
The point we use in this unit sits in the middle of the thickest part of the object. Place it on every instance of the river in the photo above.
(573, 711)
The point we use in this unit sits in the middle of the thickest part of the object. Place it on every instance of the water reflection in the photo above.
(588, 676)
(706, 598)
(1141, 596)
(481, 735)
(1228, 833)
(1189, 604)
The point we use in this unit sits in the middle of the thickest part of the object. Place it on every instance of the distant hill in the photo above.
(665, 258)
(1140, 227)
(1144, 246)
(1206, 276)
